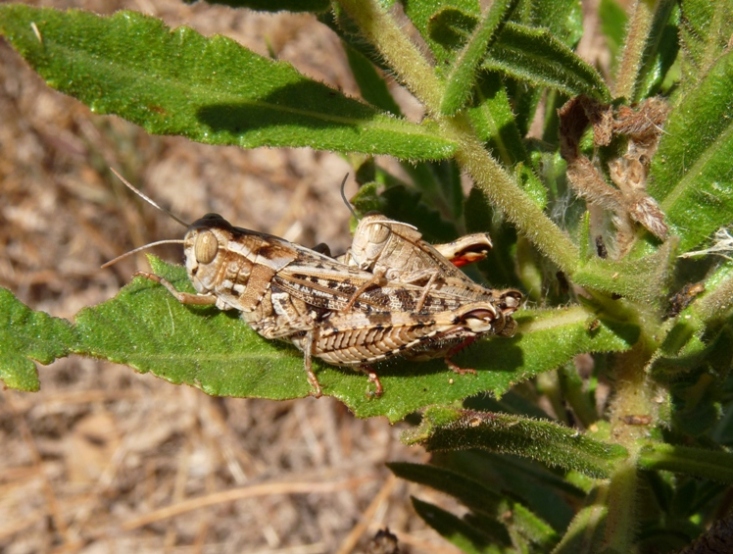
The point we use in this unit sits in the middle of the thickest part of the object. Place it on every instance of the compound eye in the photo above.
(379, 233)
(205, 247)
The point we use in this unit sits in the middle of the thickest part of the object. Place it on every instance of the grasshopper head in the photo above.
(205, 247)
(372, 236)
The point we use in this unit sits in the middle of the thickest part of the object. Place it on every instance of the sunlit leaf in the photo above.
(27, 336)
(549, 442)
(209, 89)
(535, 55)
(691, 172)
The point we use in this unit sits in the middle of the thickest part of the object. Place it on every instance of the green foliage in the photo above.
(541, 440)
(620, 313)
(705, 29)
(535, 55)
(26, 335)
(691, 173)
(613, 24)
(460, 78)
(273, 5)
(133, 66)
(213, 350)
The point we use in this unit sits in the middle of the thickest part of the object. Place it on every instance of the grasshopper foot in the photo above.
(453, 351)
(373, 378)
(313, 380)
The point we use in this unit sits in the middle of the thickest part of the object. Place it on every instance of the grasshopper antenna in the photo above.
(343, 196)
(151, 201)
(140, 249)
(155, 205)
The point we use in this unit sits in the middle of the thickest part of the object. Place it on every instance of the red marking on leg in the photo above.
(465, 259)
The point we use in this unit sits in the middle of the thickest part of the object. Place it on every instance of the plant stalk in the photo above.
(632, 413)
(502, 192)
(641, 27)
(382, 31)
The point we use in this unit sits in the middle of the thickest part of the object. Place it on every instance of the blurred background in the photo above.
(103, 459)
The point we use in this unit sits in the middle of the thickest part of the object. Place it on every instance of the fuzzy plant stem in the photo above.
(501, 189)
(640, 29)
(632, 413)
(639, 24)
(381, 29)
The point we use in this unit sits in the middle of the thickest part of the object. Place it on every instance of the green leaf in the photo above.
(494, 122)
(372, 86)
(456, 531)
(209, 89)
(273, 5)
(585, 533)
(705, 29)
(543, 441)
(643, 280)
(545, 340)
(148, 329)
(431, 201)
(444, 25)
(26, 335)
(546, 492)
(660, 52)
(479, 498)
(440, 183)
(691, 171)
(470, 493)
(461, 77)
(534, 55)
(562, 18)
(708, 464)
(564, 21)
(145, 327)
(613, 21)
(699, 337)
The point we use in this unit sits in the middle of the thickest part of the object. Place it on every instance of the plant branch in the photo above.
(632, 413)
(385, 34)
(633, 410)
(503, 193)
(641, 26)
(621, 501)
(708, 464)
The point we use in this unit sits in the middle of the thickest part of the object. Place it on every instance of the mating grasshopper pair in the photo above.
(391, 294)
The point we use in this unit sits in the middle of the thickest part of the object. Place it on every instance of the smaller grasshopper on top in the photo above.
(396, 252)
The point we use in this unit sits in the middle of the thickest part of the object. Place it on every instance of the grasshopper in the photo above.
(358, 339)
(328, 309)
(396, 252)
(289, 292)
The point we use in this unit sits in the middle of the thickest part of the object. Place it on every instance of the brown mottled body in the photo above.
(239, 267)
(396, 252)
(356, 338)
